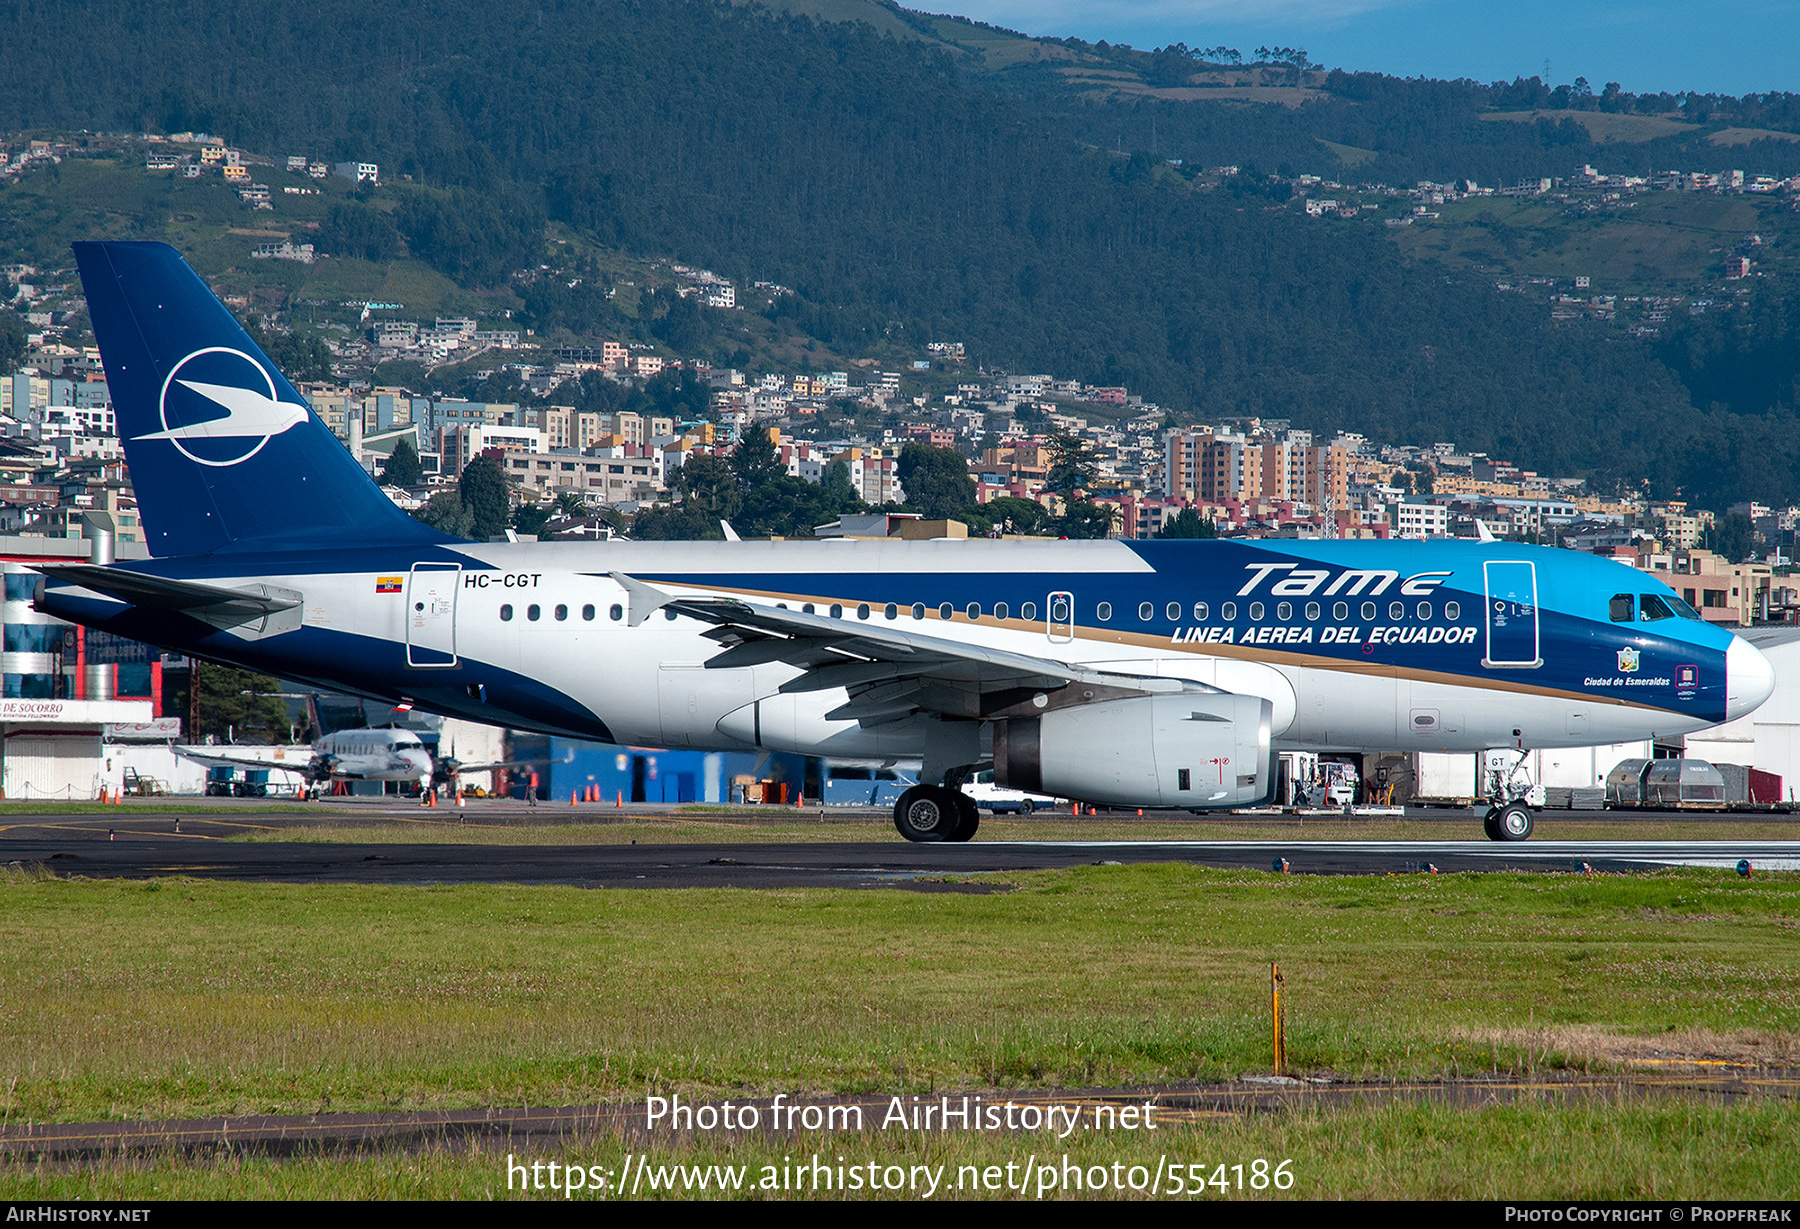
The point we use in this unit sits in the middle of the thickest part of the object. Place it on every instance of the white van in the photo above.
(1000, 799)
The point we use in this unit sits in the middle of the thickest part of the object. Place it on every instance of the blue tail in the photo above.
(224, 454)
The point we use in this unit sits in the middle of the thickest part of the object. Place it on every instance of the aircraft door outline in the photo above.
(1059, 617)
(431, 615)
(1513, 634)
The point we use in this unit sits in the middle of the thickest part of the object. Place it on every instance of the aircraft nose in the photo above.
(1749, 678)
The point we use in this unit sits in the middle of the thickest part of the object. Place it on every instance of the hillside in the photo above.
(919, 179)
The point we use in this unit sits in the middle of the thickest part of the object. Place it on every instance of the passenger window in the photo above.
(1452, 611)
(1228, 610)
(533, 611)
(667, 614)
(1173, 612)
(1028, 611)
(1201, 610)
(891, 611)
(1652, 608)
(616, 613)
(1284, 611)
(506, 614)
(1396, 610)
(1059, 610)
(1000, 610)
(973, 610)
(1620, 608)
(1425, 610)
(562, 613)
(1340, 610)
(587, 612)
(862, 610)
(1256, 612)
(1146, 611)
(1368, 610)
(1103, 611)
(807, 608)
(837, 611)
(945, 611)
(918, 610)
(1312, 610)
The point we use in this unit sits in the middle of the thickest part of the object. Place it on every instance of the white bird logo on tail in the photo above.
(250, 413)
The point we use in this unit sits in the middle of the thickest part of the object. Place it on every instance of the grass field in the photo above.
(180, 998)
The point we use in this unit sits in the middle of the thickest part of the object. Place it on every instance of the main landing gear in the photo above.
(1511, 822)
(935, 813)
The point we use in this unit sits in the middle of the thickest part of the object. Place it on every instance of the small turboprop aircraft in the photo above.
(1138, 674)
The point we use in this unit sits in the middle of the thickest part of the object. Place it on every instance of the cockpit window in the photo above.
(1622, 608)
(1652, 608)
(1683, 609)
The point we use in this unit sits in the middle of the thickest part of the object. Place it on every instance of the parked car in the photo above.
(1000, 799)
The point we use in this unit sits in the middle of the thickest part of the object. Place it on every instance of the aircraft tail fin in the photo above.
(225, 454)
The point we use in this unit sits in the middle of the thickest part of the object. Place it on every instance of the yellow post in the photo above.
(1275, 1012)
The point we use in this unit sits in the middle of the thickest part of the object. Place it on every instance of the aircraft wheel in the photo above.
(1489, 824)
(1514, 822)
(928, 813)
(969, 818)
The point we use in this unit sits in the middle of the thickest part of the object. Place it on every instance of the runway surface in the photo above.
(145, 845)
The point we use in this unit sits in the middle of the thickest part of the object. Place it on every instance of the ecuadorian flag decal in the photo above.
(390, 584)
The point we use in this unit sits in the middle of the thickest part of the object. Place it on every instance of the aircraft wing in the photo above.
(892, 673)
(270, 607)
(289, 759)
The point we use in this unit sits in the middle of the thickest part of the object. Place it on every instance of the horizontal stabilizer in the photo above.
(268, 607)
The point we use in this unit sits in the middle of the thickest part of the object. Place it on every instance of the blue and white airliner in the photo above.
(1156, 674)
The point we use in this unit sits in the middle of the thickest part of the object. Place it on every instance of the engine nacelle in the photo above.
(1193, 751)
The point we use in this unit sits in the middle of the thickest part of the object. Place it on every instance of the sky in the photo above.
(1749, 46)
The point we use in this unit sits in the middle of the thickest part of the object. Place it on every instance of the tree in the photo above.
(1083, 518)
(403, 468)
(936, 481)
(755, 460)
(229, 708)
(486, 497)
(1188, 524)
(1073, 466)
(445, 511)
(13, 332)
(1733, 536)
(1009, 514)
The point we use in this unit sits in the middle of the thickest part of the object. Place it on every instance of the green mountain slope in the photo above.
(936, 181)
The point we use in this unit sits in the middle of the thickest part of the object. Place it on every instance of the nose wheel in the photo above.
(1512, 822)
(933, 813)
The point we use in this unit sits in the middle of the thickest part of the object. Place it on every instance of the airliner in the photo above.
(374, 754)
(1154, 674)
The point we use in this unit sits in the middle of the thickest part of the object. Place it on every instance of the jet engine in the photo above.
(1192, 750)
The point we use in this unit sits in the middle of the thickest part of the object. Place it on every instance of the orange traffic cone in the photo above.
(620, 804)
(119, 797)
(571, 797)
(430, 797)
(800, 799)
(102, 795)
